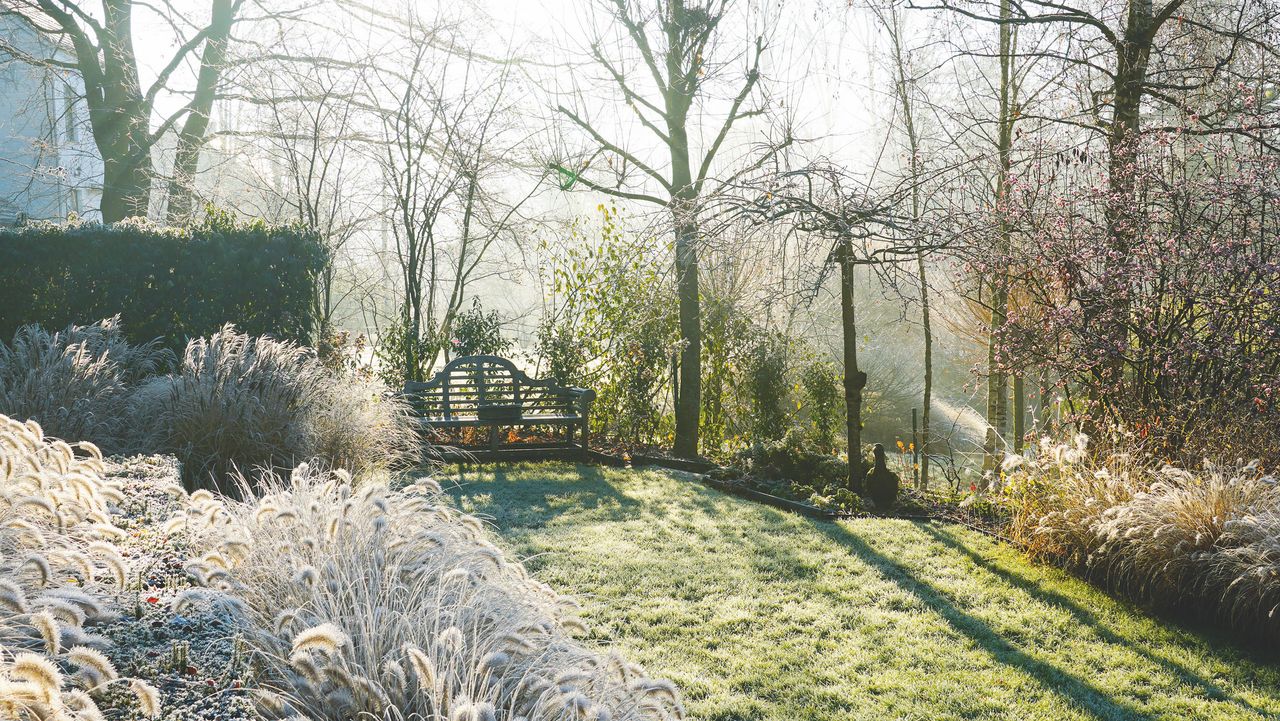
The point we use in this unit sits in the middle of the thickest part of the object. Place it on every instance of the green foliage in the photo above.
(563, 355)
(795, 457)
(824, 404)
(726, 347)
(403, 355)
(609, 303)
(766, 382)
(476, 332)
(168, 283)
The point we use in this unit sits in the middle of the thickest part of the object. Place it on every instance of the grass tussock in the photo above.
(77, 382)
(57, 564)
(234, 402)
(241, 402)
(1206, 541)
(391, 604)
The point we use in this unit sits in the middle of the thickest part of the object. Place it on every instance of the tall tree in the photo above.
(664, 71)
(194, 129)
(1143, 66)
(446, 140)
(903, 83)
(120, 109)
(997, 378)
(860, 226)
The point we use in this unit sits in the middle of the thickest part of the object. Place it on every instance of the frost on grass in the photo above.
(394, 605)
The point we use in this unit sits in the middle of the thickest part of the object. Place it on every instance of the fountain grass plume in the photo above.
(369, 601)
(239, 403)
(77, 382)
(54, 522)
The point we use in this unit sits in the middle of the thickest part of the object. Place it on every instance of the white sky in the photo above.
(823, 53)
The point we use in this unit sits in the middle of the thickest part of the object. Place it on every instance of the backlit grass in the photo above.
(761, 614)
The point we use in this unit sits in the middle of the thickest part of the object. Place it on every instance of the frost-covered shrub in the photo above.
(76, 382)
(238, 402)
(372, 603)
(1207, 540)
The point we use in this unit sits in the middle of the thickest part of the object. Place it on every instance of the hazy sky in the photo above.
(821, 65)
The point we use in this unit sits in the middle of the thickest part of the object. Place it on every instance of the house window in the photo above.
(69, 114)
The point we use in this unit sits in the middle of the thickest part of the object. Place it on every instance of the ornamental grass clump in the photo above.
(58, 563)
(239, 402)
(77, 382)
(372, 603)
(1206, 541)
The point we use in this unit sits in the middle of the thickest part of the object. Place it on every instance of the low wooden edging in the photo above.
(702, 468)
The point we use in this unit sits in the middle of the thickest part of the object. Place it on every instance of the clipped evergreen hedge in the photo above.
(167, 283)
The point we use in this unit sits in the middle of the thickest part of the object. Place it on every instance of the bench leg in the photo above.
(493, 439)
(586, 450)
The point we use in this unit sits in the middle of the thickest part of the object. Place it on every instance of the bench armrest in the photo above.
(582, 397)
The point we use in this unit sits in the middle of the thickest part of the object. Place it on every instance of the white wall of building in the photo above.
(49, 166)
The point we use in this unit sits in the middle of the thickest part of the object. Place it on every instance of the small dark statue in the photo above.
(882, 483)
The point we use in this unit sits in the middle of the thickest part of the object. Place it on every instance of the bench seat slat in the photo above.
(470, 421)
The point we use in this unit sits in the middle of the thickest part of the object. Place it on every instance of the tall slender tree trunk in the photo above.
(928, 372)
(192, 136)
(684, 217)
(1019, 412)
(855, 380)
(1132, 54)
(997, 379)
(913, 146)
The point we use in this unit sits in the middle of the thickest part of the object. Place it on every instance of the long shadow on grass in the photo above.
(532, 502)
(1086, 695)
(1085, 617)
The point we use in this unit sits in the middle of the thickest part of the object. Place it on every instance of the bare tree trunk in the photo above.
(687, 409)
(913, 146)
(928, 372)
(191, 137)
(121, 125)
(997, 379)
(126, 180)
(855, 380)
(1132, 54)
(688, 400)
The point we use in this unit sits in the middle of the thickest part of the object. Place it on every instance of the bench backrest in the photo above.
(469, 383)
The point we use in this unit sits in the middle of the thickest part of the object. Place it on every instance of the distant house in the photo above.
(49, 165)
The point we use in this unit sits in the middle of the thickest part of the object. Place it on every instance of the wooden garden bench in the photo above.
(486, 391)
